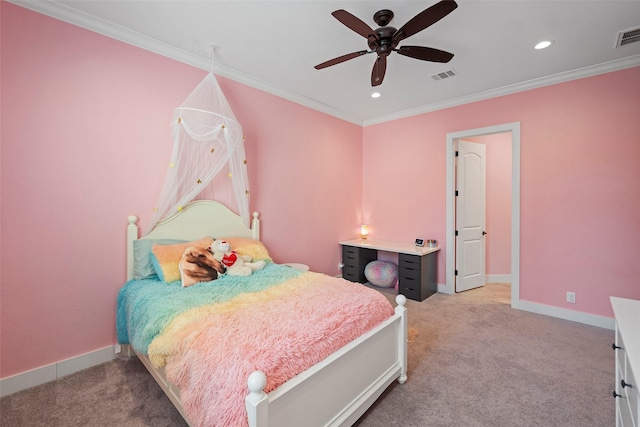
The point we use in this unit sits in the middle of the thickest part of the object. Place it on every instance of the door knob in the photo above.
(484, 232)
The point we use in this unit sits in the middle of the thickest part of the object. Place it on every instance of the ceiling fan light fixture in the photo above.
(385, 39)
(375, 95)
(543, 44)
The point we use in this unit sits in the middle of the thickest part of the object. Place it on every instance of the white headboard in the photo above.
(196, 220)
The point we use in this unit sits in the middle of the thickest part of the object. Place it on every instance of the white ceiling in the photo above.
(274, 45)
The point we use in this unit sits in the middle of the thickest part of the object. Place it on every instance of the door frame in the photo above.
(514, 128)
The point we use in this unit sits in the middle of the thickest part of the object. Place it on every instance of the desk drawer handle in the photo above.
(615, 347)
(625, 384)
(616, 394)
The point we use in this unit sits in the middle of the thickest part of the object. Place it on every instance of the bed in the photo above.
(334, 391)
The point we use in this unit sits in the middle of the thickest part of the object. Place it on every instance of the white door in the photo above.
(470, 215)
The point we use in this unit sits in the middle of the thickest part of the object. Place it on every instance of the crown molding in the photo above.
(64, 13)
(607, 67)
(72, 16)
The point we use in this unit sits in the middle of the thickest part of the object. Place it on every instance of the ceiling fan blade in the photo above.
(340, 59)
(425, 19)
(379, 69)
(354, 23)
(425, 53)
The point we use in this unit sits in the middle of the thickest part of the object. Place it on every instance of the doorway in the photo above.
(471, 213)
(514, 129)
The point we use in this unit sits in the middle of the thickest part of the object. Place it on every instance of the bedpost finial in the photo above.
(401, 299)
(255, 215)
(257, 382)
(132, 219)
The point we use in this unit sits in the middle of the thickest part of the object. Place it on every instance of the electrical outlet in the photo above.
(571, 297)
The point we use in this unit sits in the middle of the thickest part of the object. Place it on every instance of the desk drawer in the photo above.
(354, 261)
(409, 267)
(410, 288)
(358, 257)
(410, 261)
(350, 260)
(350, 250)
(409, 273)
(350, 273)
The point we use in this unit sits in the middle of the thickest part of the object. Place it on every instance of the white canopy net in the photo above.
(207, 139)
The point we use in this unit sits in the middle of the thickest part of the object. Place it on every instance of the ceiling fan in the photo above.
(385, 39)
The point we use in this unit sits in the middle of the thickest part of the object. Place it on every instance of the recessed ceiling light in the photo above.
(375, 95)
(543, 44)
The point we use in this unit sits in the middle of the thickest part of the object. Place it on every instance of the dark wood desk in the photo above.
(417, 266)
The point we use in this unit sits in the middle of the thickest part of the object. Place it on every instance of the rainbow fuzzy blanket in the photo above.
(211, 336)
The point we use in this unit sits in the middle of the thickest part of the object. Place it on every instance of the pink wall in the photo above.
(85, 142)
(580, 192)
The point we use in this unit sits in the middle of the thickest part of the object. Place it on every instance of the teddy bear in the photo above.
(236, 264)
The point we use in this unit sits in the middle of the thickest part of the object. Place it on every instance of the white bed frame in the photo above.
(334, 392)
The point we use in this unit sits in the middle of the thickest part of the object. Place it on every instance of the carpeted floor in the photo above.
(473, 361)
(478, 362)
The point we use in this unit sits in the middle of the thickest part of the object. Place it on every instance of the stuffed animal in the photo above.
(198, 265)
(236, 264)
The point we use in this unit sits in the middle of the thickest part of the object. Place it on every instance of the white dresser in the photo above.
(627, 348)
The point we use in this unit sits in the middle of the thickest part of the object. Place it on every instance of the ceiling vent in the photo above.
(629, 36)
(444, 75)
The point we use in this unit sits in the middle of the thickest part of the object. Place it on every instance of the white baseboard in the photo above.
(547, 310)
(566, 314)
(57, 370)
(44, 374)
(498, 278)
(444, 289)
